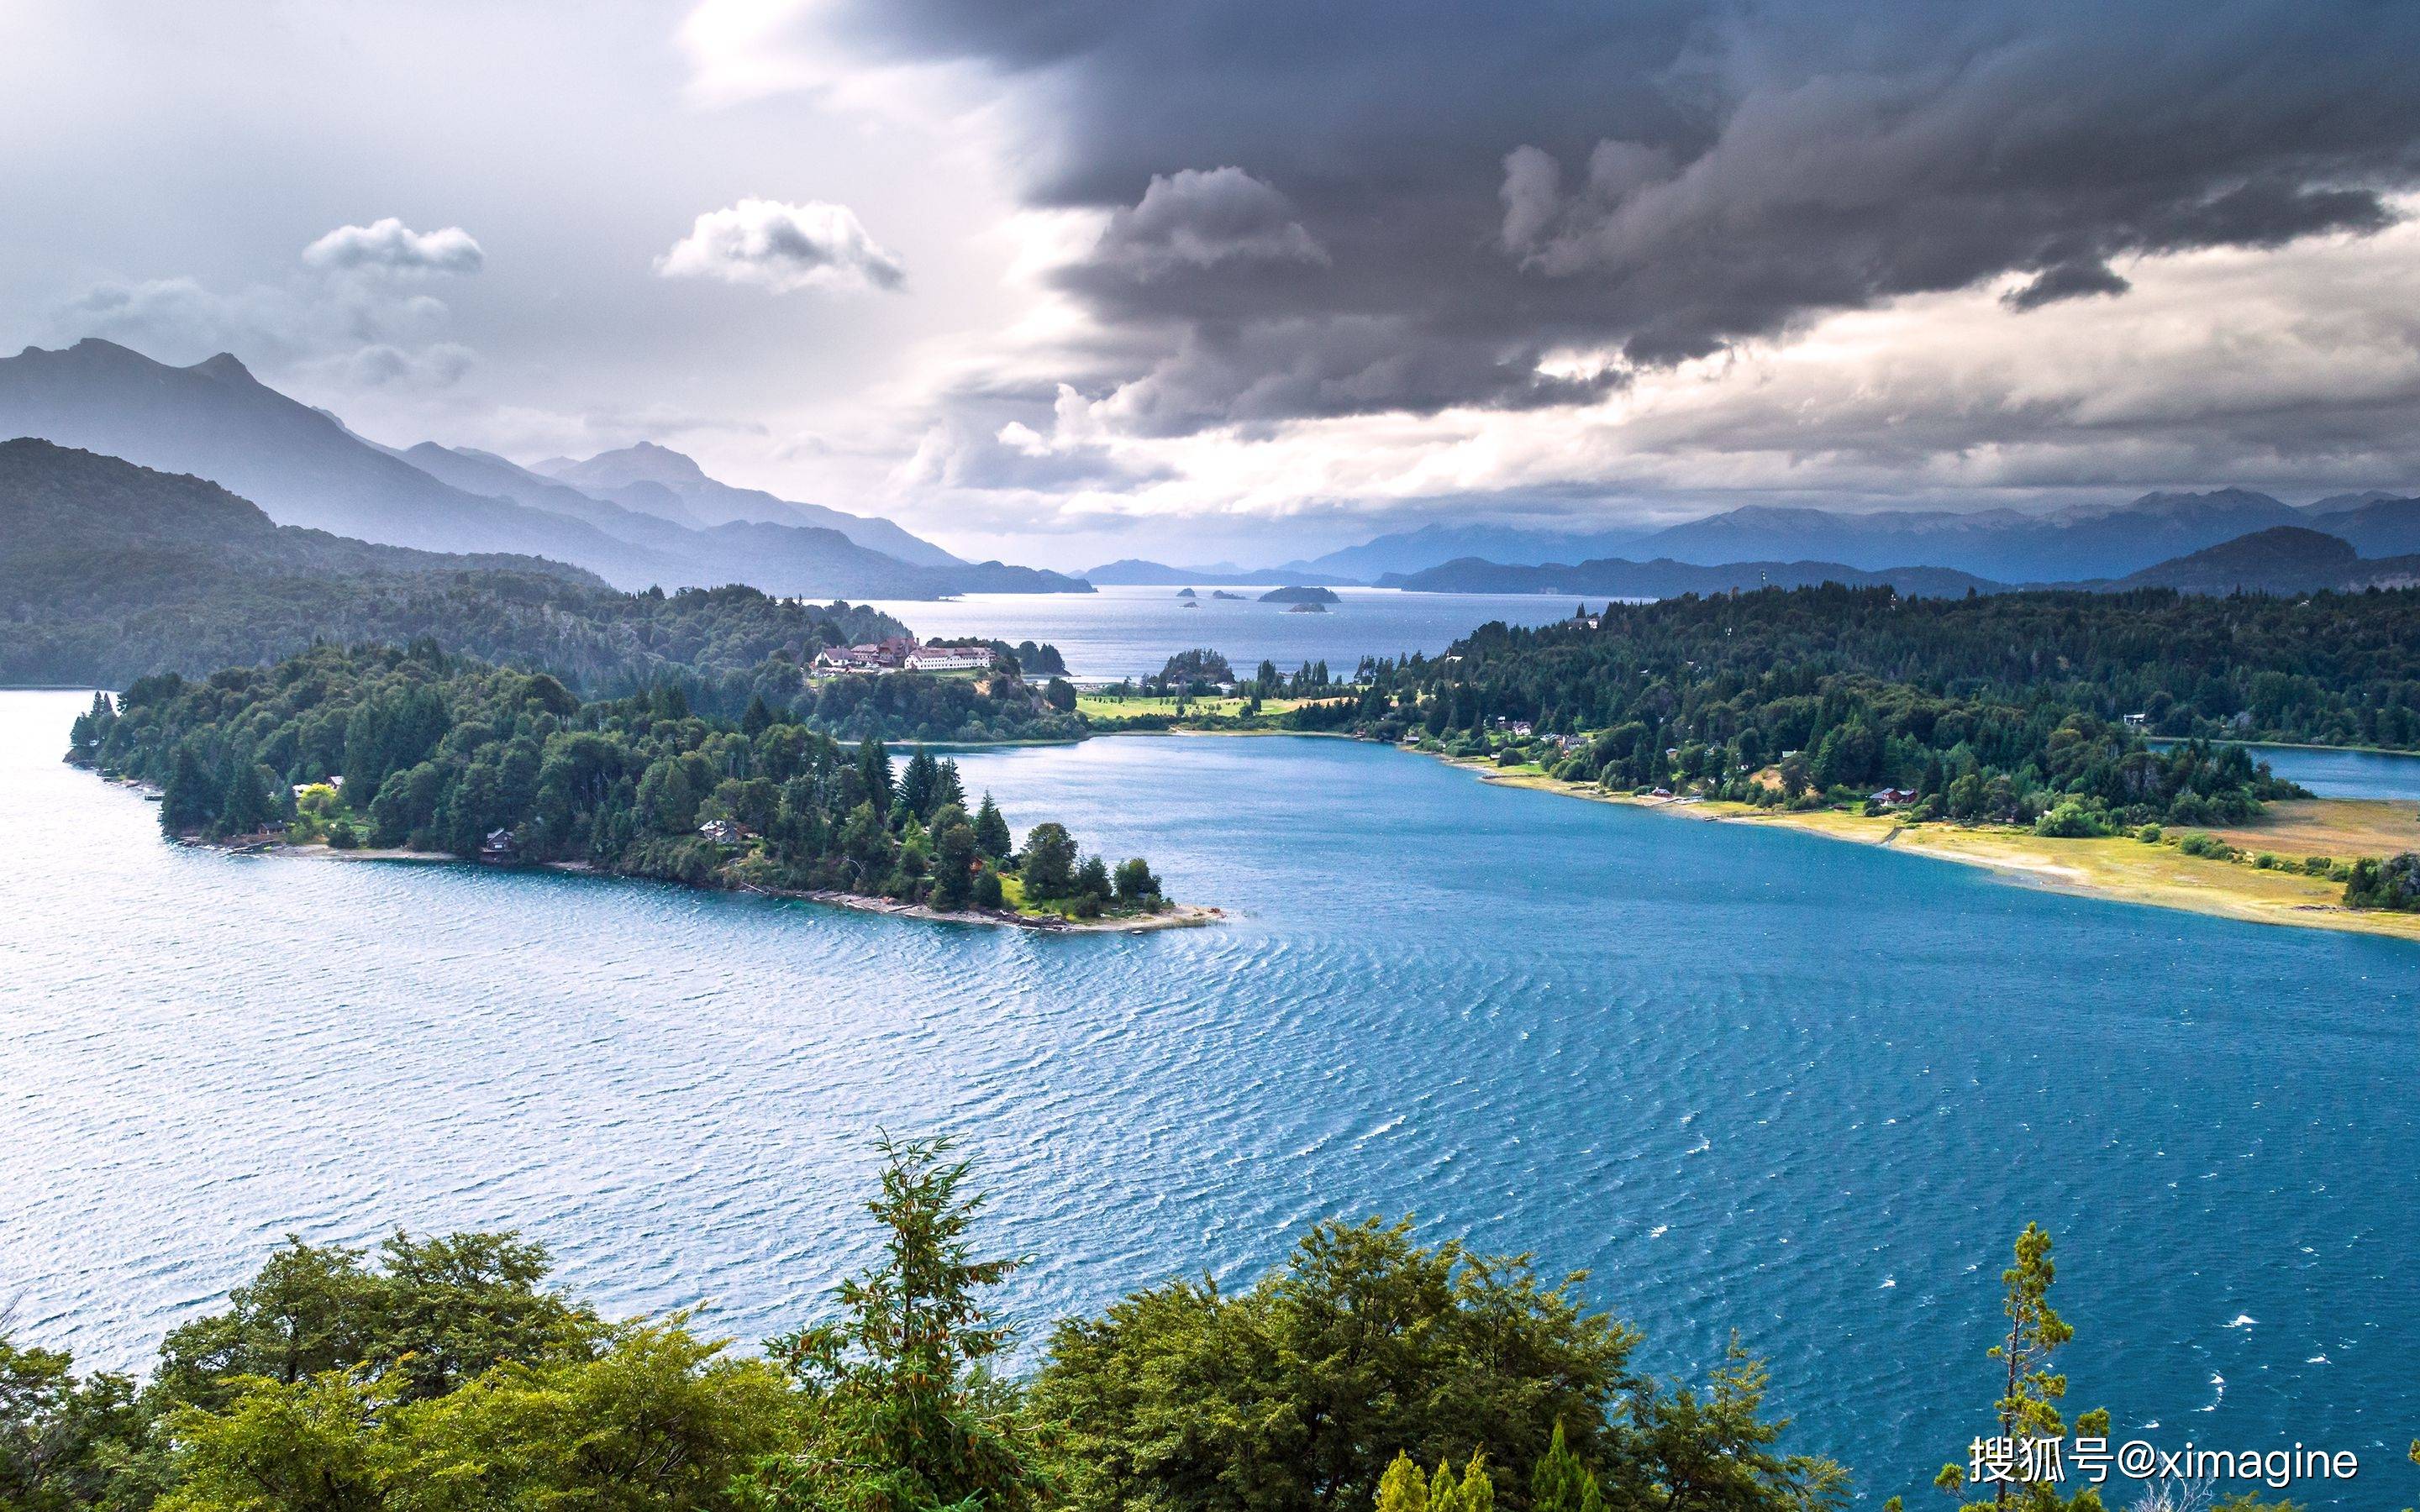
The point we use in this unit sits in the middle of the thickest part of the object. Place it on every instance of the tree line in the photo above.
(2325, 669)
(415, 749)
(444, 1374)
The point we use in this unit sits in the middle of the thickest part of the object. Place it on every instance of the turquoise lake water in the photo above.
(1750, 1079)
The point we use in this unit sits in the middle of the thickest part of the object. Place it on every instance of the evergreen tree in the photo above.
(2028, 1404)
(188, 800)
(758, 718)
(1563, 1482)
(917, 785)
(991, 830)
(873, 773)
(900, 1410)
(1403, 1487)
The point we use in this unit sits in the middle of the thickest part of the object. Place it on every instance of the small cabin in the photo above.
(498, 846)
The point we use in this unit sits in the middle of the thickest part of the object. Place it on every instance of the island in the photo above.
(1307, 609)
(1301, 594)
(1221, 592)
(394, 752)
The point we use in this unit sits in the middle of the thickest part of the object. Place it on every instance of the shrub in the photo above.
(2148, 834)
(2206, 845)
(2070, 821)
(2318, 866)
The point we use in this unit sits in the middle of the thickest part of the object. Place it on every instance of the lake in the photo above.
(1131, 632)
(2344, 774)
(1750, 1079)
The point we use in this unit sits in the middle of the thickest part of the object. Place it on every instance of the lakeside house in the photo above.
(1892, 797)
(498, 846)
(723, 831)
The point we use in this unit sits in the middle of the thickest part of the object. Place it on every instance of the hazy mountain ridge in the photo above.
(1132, 572)
(2085, 542)
(60, 506)
(2284, 559)
(634, 472)
(1662, 577)
(215, 421)
(110, 572)
(302, 466)
(2281, 559)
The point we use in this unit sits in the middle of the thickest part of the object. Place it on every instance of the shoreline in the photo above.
(1175, 915)
(2110, 869)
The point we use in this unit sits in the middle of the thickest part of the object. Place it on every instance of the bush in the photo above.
(2267, 862)
(2318, 866)
(2206, 845)
(2070, 821)
(2148, 834)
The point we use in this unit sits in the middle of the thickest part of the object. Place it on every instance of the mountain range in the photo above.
(653, 518)
(2086, 541)
(2281, 559)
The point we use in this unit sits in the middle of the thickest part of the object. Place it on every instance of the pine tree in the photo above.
(873, 772)
(901, 1417)
(1403, 1487)
(2028, 1404)
(188, 800)
(991, 830)
(1560, 1483)
(918, 784)
(758, 718)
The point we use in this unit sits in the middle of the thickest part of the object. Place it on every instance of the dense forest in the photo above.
(446, 1375)
(2325, 669)
(415, 748)
(2014, 708)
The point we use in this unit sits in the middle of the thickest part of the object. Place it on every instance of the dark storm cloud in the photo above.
(1421, 201)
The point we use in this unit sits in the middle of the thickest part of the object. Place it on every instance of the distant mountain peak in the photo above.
(643, 462)
(226, 368)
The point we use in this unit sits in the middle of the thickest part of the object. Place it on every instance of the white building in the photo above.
(949, 659)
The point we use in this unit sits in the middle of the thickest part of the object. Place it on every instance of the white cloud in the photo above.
(783, 248)
(390, 246)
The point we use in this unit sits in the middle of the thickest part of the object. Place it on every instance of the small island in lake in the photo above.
(384, 752)
(1307, 609)
(1186, 593)
(1221, 592)
(1300, 596)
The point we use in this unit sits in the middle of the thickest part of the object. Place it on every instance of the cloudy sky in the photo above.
(1069, 280)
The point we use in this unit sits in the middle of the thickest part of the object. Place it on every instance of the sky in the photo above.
(1064, 281)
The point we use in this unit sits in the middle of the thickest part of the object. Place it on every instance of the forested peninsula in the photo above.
(416, 750)
(1951, 726)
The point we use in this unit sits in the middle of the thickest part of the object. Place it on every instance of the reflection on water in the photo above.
(1747, 1078)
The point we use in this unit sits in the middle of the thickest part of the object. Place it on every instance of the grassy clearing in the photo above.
(1107, 706)
(2339, 827)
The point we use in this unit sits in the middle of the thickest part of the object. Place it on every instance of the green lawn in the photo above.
(1104, 707)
